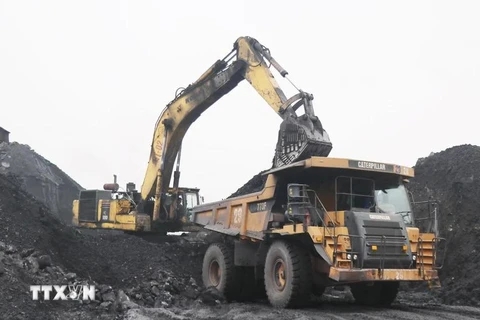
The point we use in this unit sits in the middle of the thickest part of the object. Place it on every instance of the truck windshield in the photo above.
(394, 200)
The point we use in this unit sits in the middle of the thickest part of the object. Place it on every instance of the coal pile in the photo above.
(255, 184)
(452, 177)
(41, 178)
(128, 271)
(28, 256)
(21, 268)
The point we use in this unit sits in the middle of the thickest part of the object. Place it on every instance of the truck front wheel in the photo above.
(288, 275)
(218, 270)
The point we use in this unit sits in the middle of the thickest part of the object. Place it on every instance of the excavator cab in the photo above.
(191, 198)
(186, 199)
(112, 208)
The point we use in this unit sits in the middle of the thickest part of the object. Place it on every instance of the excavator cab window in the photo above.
(192, 199)
(180, 201)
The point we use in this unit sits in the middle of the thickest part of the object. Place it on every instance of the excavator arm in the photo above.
(299, 137)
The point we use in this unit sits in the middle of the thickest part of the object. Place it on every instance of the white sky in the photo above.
(83, 82)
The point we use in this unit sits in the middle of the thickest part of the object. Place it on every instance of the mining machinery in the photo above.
(156, 205)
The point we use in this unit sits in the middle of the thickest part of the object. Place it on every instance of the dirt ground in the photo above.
(334, 311)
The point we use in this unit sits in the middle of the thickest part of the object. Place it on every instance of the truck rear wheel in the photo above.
(288, 275)
(378, 294)
(218, 270)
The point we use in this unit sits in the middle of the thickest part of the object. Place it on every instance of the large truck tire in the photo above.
(379, 294)
(288, 275)
(218, 270)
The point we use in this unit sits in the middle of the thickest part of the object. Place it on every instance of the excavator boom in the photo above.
(157, 206)
(299, 136)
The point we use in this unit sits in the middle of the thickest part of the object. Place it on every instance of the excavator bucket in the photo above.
(300, 138)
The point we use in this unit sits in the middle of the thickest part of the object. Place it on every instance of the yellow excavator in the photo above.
(160, 207)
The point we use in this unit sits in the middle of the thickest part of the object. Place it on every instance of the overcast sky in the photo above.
(83, 82)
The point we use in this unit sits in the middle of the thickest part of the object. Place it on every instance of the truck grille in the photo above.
(387, 236)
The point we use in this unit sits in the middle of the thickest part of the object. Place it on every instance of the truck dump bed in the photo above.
(249, 215)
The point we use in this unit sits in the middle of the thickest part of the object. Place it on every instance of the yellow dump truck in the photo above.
(320, 222)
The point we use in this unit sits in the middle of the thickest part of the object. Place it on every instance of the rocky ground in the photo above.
(159, 277)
